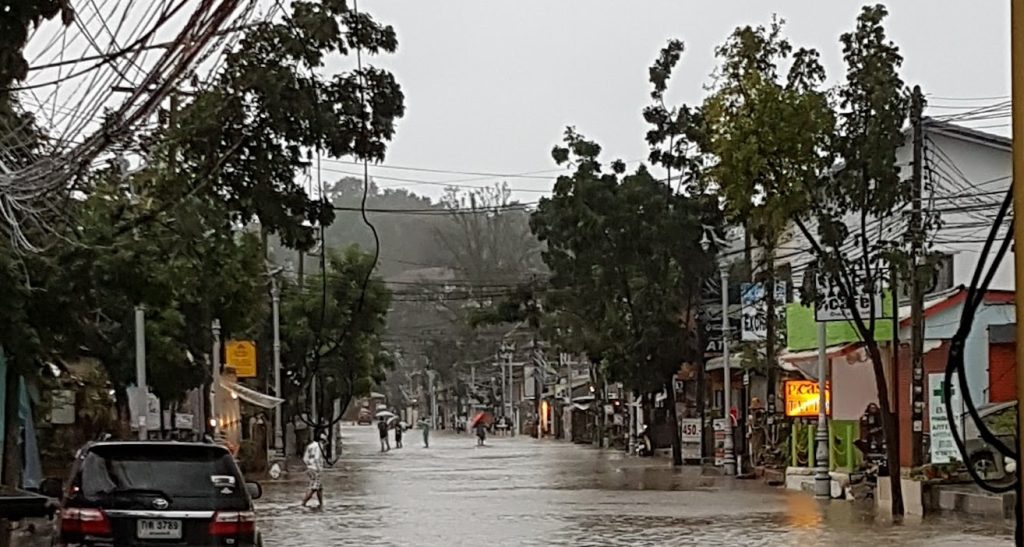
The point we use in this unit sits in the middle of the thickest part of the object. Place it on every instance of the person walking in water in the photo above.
(398, 435)
(382, 428)
(425, 426)
(481, 433)
(314, 460)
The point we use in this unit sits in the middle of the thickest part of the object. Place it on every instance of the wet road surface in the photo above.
(526, 492)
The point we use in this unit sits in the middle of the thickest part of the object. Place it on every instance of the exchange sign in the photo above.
(803, 397)
(754, 309)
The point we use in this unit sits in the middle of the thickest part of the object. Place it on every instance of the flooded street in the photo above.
(526, 492)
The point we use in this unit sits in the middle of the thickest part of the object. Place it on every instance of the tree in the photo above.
(853, 203)
(15, 29)
(186, 267)
(769, 135)
(246, 140)
(627, 265)
(488, 237)
(332, 328)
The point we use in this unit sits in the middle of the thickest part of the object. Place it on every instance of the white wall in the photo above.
(944, 324)
(989, 169)
(985, 166)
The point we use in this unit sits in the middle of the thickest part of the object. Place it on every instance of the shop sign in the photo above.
(241, 356)
(803, 398)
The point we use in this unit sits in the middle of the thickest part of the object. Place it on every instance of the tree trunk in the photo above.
(673, 420)
(12, 453)
(890, 428)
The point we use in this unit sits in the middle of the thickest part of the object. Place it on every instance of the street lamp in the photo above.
(728, 460)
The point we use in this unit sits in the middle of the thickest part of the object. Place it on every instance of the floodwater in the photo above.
(520, 491)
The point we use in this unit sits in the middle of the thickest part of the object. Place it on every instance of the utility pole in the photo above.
(215, 375)
(916, 288)
(140, 372)
(729, 460)
(1017, 68)
(895, 289)
(275, 300)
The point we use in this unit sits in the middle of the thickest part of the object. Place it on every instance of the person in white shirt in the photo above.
(314, 460)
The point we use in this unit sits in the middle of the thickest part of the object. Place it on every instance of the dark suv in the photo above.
(157, 494)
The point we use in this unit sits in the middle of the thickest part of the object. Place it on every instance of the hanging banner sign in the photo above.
(833, 307)
(754, 310)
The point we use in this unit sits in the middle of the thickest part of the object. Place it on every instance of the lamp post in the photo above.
(275, 295)
(729, 459)
(215, 375)
(822, 480)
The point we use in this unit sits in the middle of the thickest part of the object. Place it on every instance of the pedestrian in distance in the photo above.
(481, 433)
(382, 428)
(398, 435)
(425, 426)
(314, 460)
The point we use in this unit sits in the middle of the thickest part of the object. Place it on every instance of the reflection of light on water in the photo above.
(802, 511)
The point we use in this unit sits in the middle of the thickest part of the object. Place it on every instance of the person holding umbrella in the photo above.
(382, 428)
(479, 425)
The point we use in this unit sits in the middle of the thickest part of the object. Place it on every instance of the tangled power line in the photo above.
(76, 117)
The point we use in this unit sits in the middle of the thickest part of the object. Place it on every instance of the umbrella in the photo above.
(385, 414)
(485, 418)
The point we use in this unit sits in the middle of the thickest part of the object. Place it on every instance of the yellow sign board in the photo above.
(803, 398)
(241, 356)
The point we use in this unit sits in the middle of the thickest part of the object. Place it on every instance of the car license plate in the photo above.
(159, 529)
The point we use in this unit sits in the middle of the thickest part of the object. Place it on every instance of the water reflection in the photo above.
(525, 492)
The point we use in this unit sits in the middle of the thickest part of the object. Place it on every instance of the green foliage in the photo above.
(175, 235)
(332, 328)
(867, 188)
(268, 108)
(626, 265)
(185, 268)
(770, 133)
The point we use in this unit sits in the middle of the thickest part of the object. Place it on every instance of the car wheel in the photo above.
(984, 463)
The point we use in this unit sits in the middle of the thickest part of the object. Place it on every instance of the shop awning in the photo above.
(251, 396)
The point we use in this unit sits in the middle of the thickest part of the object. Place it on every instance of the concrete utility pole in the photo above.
(729, 459)
(215, 375)
(822, 480)
(140, 372)
(1017, 64)
(275, 300)
(916, 287)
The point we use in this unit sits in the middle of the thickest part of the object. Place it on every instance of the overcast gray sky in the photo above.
(490, 85)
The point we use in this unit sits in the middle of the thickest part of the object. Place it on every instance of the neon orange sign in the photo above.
(802, 398)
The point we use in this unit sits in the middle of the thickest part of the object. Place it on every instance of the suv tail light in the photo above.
(85, 522)
(233, 523)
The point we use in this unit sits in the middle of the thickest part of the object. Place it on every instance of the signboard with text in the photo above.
(690, 437)
(241, 356)
(942, 447)
(803, 398)
(833, 306)
(754, 310)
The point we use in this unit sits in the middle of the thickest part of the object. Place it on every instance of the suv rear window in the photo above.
(180, 473)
